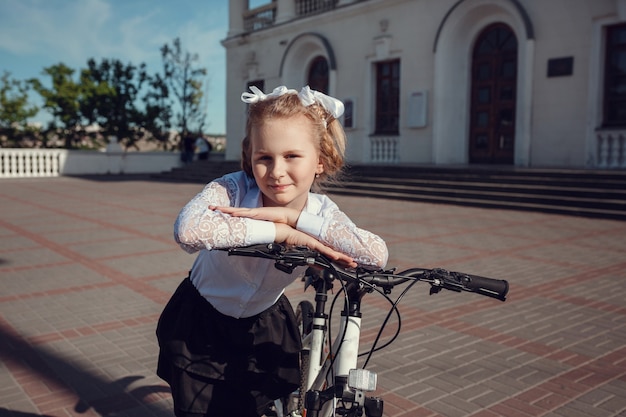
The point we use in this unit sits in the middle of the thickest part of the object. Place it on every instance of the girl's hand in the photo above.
(284, 215)
(285, 220)
(291, 236)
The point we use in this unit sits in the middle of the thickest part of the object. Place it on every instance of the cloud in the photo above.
(35, 34)
(74, 31)
(52, 29)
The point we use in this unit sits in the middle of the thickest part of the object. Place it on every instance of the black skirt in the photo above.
(220, 366)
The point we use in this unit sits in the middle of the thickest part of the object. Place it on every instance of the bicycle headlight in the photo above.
(362, 380)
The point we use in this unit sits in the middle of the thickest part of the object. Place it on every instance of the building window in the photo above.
(348, 114)
(260, 84)
(318, 75)
(388, 98)
(615, 76)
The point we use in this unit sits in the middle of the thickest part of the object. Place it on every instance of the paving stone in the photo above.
(86, 269)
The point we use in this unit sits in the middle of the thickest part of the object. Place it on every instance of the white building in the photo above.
(539, 83)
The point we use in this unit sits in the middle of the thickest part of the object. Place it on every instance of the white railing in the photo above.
(307, 7)
(25, 163)
(384, 149)
(18, 163)
(269, 14)
(611, 149)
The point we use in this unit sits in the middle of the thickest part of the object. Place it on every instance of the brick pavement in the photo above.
(86, 266)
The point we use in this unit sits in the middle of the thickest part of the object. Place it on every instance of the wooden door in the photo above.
(494, 82)
(318, 78)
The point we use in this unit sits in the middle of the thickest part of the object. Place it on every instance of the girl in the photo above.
(228, 339)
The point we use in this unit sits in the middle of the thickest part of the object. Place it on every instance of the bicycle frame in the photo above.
(326, 380)
(332, 385)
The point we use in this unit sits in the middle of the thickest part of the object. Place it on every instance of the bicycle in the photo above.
(332, 383)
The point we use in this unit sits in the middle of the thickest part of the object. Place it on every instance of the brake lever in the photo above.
(267, 251)
(298, 256)
(286, 259)
(442, 278)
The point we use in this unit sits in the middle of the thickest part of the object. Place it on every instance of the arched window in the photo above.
(318, 75)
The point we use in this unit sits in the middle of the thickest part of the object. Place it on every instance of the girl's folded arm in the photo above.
(198, 227)
(336, 230)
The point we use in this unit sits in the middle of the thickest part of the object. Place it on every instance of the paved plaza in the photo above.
(87, 264)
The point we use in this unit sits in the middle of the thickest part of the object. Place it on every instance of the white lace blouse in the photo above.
(245, 286)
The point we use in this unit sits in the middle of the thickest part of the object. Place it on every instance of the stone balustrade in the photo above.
(611, 149)
(384, 149)
(25, 163)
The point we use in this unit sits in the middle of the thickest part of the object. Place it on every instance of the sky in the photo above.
(35, 34)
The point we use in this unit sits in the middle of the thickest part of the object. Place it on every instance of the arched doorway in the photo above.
(493, 97)
(309, 59)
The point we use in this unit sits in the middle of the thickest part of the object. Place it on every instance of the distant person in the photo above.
(188, 149)
(203, 147)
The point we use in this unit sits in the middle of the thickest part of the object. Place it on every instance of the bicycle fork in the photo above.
(350, 383)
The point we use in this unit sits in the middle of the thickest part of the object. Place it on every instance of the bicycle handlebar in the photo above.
(287, 258)
(487, 286)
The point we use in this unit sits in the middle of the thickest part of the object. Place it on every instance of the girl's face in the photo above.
(285, 159)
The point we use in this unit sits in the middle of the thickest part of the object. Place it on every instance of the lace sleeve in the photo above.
(197, 227)
(340, 233)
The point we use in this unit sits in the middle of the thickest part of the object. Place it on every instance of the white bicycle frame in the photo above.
(345, 350)
(342, 357)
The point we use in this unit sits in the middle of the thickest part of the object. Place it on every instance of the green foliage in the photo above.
(122, 99)
(62, 101)
(157, 114)
(111, 97)
(15, 109)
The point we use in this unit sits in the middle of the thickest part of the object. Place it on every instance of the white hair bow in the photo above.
(306, 96)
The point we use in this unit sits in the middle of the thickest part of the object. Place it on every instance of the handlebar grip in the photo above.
(496, 288)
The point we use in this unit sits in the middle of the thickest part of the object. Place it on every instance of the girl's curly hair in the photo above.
(331, 141)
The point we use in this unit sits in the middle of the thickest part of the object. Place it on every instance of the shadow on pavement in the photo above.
(93, 392)
(8, 413)
(113, 177)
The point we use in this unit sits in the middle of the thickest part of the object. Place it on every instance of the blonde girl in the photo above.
(228, 338)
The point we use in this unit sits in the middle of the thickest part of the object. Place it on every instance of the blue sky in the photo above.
(35, 34)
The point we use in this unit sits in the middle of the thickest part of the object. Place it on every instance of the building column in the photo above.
(236, 8)
(286, 10)
(621, 9)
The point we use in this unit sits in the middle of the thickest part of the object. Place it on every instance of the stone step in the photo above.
(593, 190)
(589, 193)
(612, 209)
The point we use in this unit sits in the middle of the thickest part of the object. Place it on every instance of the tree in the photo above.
(111, 97)
(114, 94)
(185, 81)
(14, 108)
(157, 114)
(62, 100)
